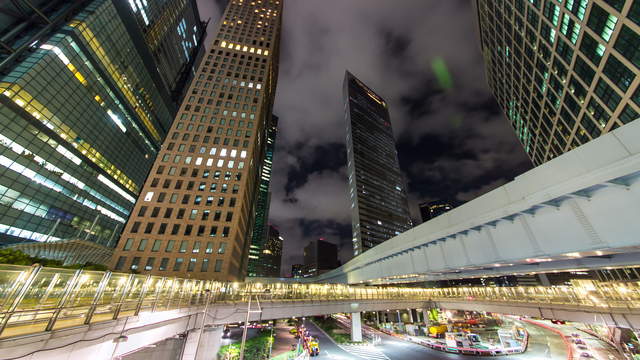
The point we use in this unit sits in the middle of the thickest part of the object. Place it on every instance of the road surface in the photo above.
(543, 345)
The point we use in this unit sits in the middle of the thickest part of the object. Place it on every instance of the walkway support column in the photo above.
(425, 316)
(201, 344)
(356, 327)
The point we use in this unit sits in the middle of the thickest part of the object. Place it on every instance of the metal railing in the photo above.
(35, 299)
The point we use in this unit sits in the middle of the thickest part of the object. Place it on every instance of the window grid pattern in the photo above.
(561, 82)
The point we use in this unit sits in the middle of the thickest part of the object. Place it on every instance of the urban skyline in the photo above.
(451, 179)
(297, 171)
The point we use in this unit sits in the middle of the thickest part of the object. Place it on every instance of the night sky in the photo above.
(453, 141)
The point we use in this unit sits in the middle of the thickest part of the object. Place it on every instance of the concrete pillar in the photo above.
(356, 327)
(410, 311)
(425, 316)
(544, 280)
(378, 318)
(399, 317)
(209, 343)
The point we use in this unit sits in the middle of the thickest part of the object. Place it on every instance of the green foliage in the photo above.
(256, 348)
(331, 327)
(17, 257)
(434, 315)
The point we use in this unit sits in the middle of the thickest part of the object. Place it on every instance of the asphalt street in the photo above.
(543, 344)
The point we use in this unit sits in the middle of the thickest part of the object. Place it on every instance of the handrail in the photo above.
(51, 298)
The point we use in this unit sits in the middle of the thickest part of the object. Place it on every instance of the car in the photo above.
(226, 332)
(558, 322)
(586, 355)
(583, 347)
(579, 341)
(575, 335)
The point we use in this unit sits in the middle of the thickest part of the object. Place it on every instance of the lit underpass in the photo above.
(51, 313)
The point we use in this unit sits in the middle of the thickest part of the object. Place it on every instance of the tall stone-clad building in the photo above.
(564, 72)
(83, 112)
(379, 207)
(261, 229)
(195, 214)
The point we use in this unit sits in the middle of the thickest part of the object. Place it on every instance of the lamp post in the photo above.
(204, 318)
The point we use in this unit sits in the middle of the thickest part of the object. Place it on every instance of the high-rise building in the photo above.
(431, 209)
(261, 230)
(296, 270)
(564, 72)
(173, 34)
(195, 215)
(379, 207)
(83, 113)
(320, 256)
(271, 255)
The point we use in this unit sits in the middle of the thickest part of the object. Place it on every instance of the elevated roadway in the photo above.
(577, 211)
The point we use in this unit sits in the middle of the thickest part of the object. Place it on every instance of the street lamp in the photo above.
(204, 318)
(246, 323)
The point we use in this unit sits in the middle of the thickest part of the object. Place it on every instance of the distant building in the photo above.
(429, 210)
(320, 256)
(259, 236)
(296, 270)
(378, 196)
(271, 255)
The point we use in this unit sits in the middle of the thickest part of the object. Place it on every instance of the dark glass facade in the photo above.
(319, 256)
(271, 254)
(82, 117)
(173, 34)
(260, 235)
(379, 207)
(564, 72)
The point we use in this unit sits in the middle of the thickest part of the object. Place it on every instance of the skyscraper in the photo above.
(173, 34)
(261, 230)
(563, 72)
(379, 208)
(83, 113)
(271, 255)
(320, 256)
(429, 210)
(195, 215)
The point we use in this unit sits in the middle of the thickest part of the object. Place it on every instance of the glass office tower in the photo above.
(260, 234)
(173, 33)
(271, 254)
(564, 72)
(379, 207)
(195, 214)
(83, 113)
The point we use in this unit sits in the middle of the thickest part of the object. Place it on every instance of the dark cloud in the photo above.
(453, 143)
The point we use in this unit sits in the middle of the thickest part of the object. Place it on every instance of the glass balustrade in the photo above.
(35, 299)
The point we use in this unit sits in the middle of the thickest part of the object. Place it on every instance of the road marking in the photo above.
(365, 351)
